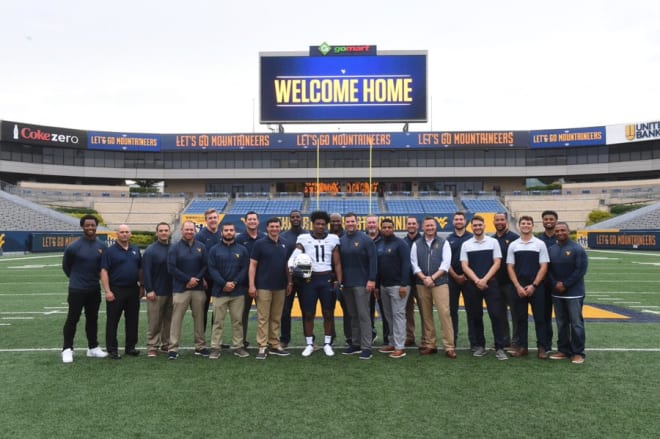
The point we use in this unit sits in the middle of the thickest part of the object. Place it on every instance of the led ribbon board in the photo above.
(389, 87)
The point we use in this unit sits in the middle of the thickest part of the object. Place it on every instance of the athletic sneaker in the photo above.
(308, 350)
(327, 349)
(67, 356)
(262, 354)
(215, 354)
(96, 352)
(204, 352)
(480, 351)
(171, 355)
(279, 352)
(501, 355)
(241, 353)
(352, 350)
(366, 354)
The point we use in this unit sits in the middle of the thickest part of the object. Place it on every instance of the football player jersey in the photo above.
(319, 249)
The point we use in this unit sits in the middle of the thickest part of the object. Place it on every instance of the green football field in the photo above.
(616, 393)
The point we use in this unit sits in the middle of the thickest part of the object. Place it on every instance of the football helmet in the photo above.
(302, 266)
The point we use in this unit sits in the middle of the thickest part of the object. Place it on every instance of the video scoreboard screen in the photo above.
(387, 87)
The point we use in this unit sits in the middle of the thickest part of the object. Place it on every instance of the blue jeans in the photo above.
(570, 326)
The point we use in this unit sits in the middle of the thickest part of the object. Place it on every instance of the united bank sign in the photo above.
(385, 87)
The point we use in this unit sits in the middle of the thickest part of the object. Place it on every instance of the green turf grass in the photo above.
(616, 393)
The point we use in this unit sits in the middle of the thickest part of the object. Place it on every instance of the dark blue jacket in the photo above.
(82, 264)
(568, 264)
(359, 261)
(154, 269)
(229, 263)
(393, 262)
(185, 261)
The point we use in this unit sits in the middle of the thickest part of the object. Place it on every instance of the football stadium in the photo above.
(603, 181)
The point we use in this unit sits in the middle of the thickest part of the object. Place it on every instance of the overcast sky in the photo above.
(176, 67)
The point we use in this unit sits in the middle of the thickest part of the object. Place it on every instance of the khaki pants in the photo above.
(426, 298)
(180, 302)
(235, 306)
(269, 316)
(159, 320)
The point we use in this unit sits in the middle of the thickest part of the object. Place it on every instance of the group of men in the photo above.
(332, 262)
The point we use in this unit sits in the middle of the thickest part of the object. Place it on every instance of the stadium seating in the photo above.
(201, 206)
(482, 205)
(17, 214)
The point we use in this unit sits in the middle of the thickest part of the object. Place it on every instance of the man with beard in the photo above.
(374, 233)
(228, 268)
(412, 235)
(549, 218)
(291, 235)
(82, 265)
(505, 237)
(456, 277)
(568, 266)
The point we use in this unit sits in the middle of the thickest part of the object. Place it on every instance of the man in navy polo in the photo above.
(549, 218)
(121, 277)
(269, 283)
(248, 239)
(457, 278)
(481, 257)
(505, 237)
(187, 261)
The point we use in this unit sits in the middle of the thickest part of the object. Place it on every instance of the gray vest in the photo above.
(430, 258)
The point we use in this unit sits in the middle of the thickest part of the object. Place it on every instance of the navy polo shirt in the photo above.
(248, 241)
(455, 242)
(505, 240)
(480, 255)
(272, 257)
(359, 260)
(184, 261)
(208, 238)
(527, 257)
(123, 265)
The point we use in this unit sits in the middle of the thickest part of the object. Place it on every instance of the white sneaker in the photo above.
(328, 350)
(97, 352)
(67, 356)
(308, 350)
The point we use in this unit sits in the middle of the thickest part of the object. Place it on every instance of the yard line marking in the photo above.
(626, 253)
(32, 257)
(651, 311)
(17, 318)
(656, 264)
(191, 348)
(623, 301)
(24, 267)
(644, 306)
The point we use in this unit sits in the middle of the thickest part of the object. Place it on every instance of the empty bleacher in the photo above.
(482, 205)
(644, 218)
(573, 209)
(139, 213)
(200, 206)
(17, 214)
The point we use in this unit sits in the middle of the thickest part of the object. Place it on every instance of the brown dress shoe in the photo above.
(410, 342)
(542, 354)
(387, 349)
(522, 352)
(428, 351)
(451, 354)
(398, 353)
